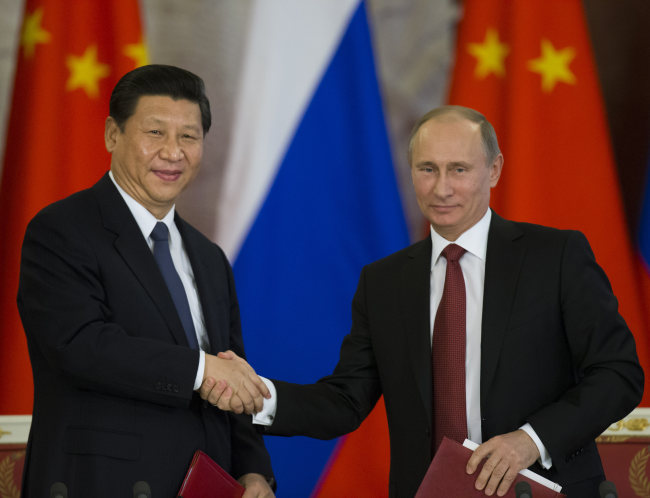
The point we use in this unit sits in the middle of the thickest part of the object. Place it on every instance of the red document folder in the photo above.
(447, 477)
(206, 479)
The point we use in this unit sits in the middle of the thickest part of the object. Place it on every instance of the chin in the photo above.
(443, 222)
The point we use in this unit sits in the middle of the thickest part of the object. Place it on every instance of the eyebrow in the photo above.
(460, 163)
(152, 120)
(453, 164)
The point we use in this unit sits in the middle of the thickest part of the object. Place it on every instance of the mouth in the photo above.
(443, 209)
(167, 176)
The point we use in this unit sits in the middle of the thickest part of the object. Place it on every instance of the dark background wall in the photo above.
(620, 32)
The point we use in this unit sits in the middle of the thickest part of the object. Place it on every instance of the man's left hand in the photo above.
(506, 455)
(256, 486)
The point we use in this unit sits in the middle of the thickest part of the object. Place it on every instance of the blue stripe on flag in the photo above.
(644, 228)
(333, 207)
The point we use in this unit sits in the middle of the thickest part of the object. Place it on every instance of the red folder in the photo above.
(447, 477)
(206, 479)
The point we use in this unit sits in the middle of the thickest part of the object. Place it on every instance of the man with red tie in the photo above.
(502, 332)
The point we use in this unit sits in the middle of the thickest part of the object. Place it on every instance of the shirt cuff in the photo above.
(199, 372)
(266, 416)
(544, 457)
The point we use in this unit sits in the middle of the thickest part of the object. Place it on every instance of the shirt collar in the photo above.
(145, 220)
(473, 240)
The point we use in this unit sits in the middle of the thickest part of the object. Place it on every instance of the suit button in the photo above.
(176, 388)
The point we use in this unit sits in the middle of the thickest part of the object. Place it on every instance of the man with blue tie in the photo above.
(125, 306)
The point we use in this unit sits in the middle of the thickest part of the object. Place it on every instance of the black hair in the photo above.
(158, 79)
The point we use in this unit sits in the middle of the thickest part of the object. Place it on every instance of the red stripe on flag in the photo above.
(360, 464)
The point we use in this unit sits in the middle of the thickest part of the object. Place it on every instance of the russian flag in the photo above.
(644, 245)
(310, 196)
(644, 229)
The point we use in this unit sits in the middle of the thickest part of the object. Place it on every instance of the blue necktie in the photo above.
(160, 236)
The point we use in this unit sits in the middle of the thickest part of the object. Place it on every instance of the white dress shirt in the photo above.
(147, 221)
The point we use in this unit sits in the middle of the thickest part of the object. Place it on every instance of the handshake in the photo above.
(231, 384)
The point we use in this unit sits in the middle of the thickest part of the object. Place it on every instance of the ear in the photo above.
(111, 133)
(495, 170)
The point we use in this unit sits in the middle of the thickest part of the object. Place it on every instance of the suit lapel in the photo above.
(414, 306)
(505, 254)
(131, 245)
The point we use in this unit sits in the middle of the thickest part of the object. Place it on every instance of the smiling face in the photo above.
(451, 174)
(159, 151)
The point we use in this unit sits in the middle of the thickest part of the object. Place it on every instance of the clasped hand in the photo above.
(231, 384)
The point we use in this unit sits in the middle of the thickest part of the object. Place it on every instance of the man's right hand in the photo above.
(231, 384)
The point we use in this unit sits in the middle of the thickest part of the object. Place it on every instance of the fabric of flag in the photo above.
(310, 196)
(71, 54)
(644, 242)
(528, 66)
(644, 226)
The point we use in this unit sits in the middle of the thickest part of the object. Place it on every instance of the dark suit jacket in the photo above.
(554, 352)
(113, 375)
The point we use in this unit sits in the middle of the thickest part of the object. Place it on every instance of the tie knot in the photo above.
(160, 232)
(453, 252)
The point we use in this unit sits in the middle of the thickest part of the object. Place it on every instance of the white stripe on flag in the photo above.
(290, 45)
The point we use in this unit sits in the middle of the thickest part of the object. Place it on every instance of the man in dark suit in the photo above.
(117, 349)
(547, 362)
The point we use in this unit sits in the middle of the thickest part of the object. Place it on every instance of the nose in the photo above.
(442, 186)
(171, 150)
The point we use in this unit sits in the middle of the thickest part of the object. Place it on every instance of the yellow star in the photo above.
(33, 32)
(138, 52)
(553, 65)
(491, 55)
(86, 71)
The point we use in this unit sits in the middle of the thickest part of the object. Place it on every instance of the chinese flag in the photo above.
(528, 66)
(70, 56)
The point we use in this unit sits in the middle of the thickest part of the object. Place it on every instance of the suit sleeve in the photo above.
(69, 321)
(608, 378)
(338, 403)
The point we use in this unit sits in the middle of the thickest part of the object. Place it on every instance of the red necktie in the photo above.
(449, 415)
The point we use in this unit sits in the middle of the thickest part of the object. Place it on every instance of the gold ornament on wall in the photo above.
(633, 424)
(8, 488)
(638, 476)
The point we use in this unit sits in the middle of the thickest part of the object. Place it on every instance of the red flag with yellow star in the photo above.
(528, 66)
(71, 54)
